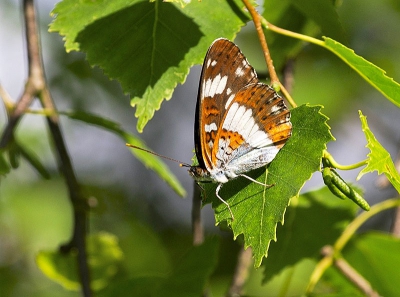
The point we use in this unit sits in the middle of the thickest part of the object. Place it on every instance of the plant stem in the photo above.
(361, 219)
(334, 164)
(241, 272)
(197, 227)
(306, 38)
(356, 278)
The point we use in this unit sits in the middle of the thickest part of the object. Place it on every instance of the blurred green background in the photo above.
(132, 202)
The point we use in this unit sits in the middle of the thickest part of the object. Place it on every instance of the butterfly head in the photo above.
(204, 175)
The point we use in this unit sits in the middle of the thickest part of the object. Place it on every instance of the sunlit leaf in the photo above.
(378, 159)
(371, 73)
(305, 230)
(104, 256)
(258, 209)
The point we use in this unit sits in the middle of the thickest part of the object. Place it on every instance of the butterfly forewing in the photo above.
(225, 72)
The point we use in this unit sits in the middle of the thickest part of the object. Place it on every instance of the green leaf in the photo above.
(192, 272)
(378, 159)
(376, 257)
(371, 73)
(188, 277)
(148, 47)
(324, 14)
(182, 3)
(318, 211)
(150, 161)
(258, 209)
(104, 256)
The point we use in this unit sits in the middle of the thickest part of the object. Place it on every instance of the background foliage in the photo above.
(140, 227)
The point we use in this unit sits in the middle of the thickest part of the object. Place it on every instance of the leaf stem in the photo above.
(334, 164)
(285, 32)
(361, 219)
(332, 256)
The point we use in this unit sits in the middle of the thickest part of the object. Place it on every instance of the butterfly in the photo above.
(241, 123)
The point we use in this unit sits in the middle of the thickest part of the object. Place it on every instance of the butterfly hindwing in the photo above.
(254, 128)
(225, 71)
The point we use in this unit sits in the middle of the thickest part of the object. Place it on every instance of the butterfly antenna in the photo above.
(182, 164)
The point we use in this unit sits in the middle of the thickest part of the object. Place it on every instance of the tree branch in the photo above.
(35, 74)
(241, 272)
(351, 274)
(36, 87)
(197, 227)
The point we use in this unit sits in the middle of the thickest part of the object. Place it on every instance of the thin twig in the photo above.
(347, 234)
(197, 226)
(241, 272)
(351, 274)
(395, 229)
(34, 82)
(288, 77)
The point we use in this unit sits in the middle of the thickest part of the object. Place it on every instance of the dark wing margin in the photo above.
(225, 71)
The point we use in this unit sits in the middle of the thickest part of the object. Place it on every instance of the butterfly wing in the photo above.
(225, 71)
(254, 129)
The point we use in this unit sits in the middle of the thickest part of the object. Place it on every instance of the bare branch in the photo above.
(241, 272)
(348, 271)
(197, 227)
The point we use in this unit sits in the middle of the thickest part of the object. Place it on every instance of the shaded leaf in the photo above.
(324, 14)
(368, 71)
(378, 159)
(318, 211)
(258, 209)
(150, 161)
(182, 3)
(148, 47)
(104, 256)
(376, 257)
(187, 278)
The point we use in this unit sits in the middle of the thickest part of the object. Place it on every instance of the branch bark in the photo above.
(241, 272)
(197, 226)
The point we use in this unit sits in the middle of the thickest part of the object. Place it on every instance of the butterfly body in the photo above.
(241, 123)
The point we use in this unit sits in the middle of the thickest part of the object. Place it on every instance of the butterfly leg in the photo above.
(256, 181)
(222, 200)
